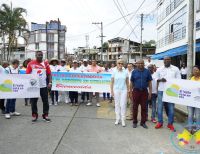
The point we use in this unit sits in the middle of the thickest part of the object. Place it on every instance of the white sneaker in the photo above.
(7, 116)
(15, 113)
(116, 122)
(89, 104)
(98, 105)
(56, 103)
(123, 123)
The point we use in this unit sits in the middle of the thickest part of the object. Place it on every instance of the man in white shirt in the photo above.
(83, 68)
(183, 71)
(163, 74)
(149, 62)
(129, 71)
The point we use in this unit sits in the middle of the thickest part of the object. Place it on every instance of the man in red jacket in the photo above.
(42, 69)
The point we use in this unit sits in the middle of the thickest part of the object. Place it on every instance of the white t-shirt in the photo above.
(2, 70)
(83, 68)
(184, 71)
(63, 68)
(171, 72)
(55, 68)
(77, 70)
(12, 70)
(154, 83)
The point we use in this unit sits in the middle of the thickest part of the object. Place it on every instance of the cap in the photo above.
(85, 60)
(75, 61)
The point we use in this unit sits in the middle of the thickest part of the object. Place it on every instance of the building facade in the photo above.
(172, 30)
(48, 38)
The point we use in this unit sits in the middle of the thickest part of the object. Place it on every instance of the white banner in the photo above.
(85, 82)
(19, 86)
(183, 92)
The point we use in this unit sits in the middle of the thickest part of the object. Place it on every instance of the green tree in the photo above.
(13, 24)
(149, 43)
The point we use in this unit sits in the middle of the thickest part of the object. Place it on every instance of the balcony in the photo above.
(172, 37)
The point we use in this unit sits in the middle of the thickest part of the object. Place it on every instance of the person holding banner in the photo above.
(94, 68)
(73, 95)
(11, 103)
(193, 110)
(63, 94)
(42, 69)
(164, 73)
(83, 68)
(119, 90)
(2, 107)
(140, 80)
(54, 66)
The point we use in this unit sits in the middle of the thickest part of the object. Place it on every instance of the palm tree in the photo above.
(13, 24)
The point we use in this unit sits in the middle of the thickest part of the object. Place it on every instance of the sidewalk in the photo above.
(79, 130)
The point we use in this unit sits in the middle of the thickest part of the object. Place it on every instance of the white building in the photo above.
(172, 29)
(49, 38)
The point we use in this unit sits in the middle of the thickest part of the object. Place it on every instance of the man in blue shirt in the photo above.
(140, 81)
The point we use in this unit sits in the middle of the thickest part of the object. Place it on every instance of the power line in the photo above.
(131, 17)
(124, 6)
(121, 12)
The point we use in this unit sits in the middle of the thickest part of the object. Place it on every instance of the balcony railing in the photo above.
(170, 8)
(172, 37)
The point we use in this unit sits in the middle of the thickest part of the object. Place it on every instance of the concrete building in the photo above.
(49, 38)
(126, 49)
(87, 53)
(172, 30)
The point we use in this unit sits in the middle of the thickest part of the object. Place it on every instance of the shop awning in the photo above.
(175, 52)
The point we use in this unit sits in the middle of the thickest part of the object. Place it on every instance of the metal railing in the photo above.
(172, 37)
(170, 8)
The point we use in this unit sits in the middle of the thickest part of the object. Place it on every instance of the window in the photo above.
(50, 37)
(110, 56)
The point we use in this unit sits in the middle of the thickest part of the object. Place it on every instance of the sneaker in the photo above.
(66, 101)
(158, 125)
(123, 123)
(89, 104)
(34, 117)
(46, 118)
(56, 103)
(171, 127)
(153, 120)
(15, 114)
(7, 116)
(98, 105)
(117, 122)
(76, 104)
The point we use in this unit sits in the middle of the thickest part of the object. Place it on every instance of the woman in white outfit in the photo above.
(119, 89)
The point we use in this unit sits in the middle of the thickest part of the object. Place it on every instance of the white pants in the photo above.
(120, 103)
(63, 95)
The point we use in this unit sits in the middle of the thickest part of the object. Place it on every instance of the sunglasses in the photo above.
(121, 63)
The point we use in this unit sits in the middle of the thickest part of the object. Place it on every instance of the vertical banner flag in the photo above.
(85, 82)
(19, 86)
(183, 92)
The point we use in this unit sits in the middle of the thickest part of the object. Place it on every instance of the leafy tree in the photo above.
(13, 24)
(149, 43)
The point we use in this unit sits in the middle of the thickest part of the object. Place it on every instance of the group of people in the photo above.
(139, 84)
(144, 85)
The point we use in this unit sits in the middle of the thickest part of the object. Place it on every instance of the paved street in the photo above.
(79, 130)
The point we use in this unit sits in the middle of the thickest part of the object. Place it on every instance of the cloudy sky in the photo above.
(78, 16)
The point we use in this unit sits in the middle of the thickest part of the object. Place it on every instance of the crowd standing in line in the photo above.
(139, 84)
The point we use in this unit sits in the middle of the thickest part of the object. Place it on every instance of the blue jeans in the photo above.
(153, 102)
(169, 106)
(10, 105)
(191, 112)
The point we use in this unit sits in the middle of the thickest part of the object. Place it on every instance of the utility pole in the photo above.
(101, 23)
(190, 52)
(142, 15)
(58, 38)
